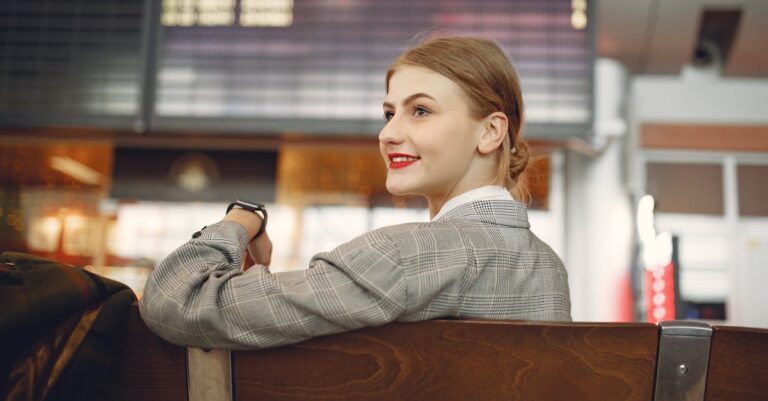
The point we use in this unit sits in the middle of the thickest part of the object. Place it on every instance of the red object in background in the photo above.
(625, 304)
(660, 293)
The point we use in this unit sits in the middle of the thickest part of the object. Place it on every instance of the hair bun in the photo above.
(518, 160)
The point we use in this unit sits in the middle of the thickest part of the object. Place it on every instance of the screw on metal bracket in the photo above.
(682, 361)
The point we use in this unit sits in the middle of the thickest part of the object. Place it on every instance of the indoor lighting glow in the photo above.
(44, 234)
(579, 14)
(79, 235)
(645, 219)
(658, 253)
(657, 247)
(75, 169)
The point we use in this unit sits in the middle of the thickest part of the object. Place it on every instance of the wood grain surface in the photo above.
(458, 360)
(147, 368)
(449, 360)
(738, 365)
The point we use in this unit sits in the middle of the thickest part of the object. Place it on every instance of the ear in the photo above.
(495, 127)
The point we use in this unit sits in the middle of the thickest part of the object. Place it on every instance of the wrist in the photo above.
(254, 208)
(251, 221)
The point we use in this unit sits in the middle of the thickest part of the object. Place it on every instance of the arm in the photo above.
(259, 248)
(199, 296)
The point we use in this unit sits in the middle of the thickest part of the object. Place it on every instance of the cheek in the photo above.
(451, 143)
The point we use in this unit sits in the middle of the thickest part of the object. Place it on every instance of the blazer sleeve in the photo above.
(199, 296)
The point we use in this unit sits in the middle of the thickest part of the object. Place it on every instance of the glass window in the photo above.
(686, 188)
(753, 190)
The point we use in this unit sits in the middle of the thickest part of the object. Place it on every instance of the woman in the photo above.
(454, 114)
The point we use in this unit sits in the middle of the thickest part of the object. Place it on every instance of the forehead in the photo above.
(408, 80)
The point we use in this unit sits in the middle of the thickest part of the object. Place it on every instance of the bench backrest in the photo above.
(452, 360)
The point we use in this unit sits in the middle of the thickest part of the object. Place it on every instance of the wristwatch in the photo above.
(254, 207)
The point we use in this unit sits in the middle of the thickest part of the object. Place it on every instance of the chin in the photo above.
(398, 190)
(395, 191)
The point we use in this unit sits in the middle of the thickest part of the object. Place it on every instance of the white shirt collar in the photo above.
(488, 192)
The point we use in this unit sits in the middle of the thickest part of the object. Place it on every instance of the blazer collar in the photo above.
(500, 212)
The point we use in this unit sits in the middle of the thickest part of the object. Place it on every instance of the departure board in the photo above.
(269, 66)
(71, 62)
(275, 63)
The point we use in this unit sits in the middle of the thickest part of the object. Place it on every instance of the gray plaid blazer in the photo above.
(480, 260)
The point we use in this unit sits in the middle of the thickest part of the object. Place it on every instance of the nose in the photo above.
(390, 134)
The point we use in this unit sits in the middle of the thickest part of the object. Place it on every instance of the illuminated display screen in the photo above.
(70, 59)
(269, 66)
(277, 60)
(222, 13)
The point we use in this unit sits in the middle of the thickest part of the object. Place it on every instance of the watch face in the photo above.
(250, 206)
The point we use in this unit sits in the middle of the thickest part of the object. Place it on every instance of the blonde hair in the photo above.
(485, 73)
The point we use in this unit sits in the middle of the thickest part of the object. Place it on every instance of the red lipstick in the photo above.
(404, 160)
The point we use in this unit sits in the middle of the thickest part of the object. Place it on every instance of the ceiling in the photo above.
(659, 36)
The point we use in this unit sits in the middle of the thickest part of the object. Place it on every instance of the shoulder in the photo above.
(389, 241)
(383, 238)
(409, 231)
(430, 239)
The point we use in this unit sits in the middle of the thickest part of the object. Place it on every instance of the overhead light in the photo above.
(75, 169)
(579, 14)
(194, 172)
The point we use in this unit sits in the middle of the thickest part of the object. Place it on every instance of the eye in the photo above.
(420, 111)
(388, 115)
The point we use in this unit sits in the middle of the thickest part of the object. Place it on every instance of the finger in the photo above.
(248, 260)
(269, 253)
(260, 249)
(265, 253)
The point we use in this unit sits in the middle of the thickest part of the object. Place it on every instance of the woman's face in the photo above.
(430, 139)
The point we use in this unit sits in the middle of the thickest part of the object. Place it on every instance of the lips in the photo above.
(401, 160)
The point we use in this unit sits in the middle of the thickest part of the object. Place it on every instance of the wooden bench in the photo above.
(468, 360)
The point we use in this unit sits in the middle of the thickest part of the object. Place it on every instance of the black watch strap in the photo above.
(254, 207)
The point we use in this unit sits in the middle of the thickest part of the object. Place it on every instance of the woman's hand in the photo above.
(260, 248)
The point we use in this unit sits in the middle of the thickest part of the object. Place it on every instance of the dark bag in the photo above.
(59, 326)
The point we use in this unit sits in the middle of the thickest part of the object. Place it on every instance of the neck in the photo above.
(481, 172)
(436, 202)
(434, 208)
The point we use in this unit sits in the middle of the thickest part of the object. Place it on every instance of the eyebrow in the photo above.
(410, 99)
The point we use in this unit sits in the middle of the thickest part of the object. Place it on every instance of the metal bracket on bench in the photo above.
(682, 361)
(209, 375)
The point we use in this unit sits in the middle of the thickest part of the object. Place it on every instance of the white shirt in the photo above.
(488, 192)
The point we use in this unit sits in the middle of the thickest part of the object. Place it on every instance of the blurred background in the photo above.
(127, 125)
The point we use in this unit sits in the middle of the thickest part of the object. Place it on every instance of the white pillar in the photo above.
(599, 222)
